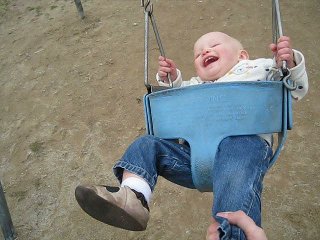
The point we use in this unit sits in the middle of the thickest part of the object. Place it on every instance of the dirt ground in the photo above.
(70, 104)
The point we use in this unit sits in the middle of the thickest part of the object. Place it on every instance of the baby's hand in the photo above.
(283, 51)
(167, 66)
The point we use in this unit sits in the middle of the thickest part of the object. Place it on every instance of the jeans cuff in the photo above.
(122, 165)
(224, 228)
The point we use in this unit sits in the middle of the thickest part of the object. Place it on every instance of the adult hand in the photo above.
(212, 231)
(283, 51)
(248, 226)
(167, 66)
(239, 218)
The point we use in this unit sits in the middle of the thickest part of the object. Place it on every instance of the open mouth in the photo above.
(209, 60)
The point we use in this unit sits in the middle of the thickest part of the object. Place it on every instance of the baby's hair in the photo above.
(236, 41)
(239, 44)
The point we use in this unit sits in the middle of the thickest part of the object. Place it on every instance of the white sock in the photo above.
(139, 185)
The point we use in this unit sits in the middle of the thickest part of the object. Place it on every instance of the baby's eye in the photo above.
(214, 45)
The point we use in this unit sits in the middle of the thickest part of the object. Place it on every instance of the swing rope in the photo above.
(148, 11)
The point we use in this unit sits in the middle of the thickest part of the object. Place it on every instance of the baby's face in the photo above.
(215, 54)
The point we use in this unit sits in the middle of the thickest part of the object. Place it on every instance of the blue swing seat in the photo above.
(205, 114)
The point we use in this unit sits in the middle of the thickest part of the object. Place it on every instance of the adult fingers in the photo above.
(212, 231)
(240, 219)
(251, 230)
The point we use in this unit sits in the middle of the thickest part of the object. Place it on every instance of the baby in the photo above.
(239, 165)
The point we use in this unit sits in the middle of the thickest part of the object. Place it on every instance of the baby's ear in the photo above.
(243, 55)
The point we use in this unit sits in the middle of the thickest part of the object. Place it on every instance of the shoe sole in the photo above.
(104, 211)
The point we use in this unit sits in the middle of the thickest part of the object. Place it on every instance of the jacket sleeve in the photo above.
(179, 82)
(299, 75)
(176, 83)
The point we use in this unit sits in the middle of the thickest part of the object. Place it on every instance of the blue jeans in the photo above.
(239, 168)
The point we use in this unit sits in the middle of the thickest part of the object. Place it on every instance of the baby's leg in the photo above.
(125, 206)
(239, 168)
(138, 170)
(149, 156)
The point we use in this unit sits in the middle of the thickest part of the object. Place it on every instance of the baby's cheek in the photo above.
(197, 68)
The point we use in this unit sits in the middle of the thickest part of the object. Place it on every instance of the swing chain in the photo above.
(147, 6)
(277, 29)
(288, 83)
(148, 10)
(285, 73)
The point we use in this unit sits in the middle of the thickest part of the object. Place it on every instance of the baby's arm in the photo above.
(166, 67)
(295, 62)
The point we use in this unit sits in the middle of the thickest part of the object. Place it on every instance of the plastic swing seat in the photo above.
(205, 114)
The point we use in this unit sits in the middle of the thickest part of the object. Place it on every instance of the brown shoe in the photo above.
(118, 207)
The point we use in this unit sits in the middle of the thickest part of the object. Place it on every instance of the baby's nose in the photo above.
(205, 51)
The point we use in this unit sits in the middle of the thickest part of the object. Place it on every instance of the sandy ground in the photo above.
(70, 104)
